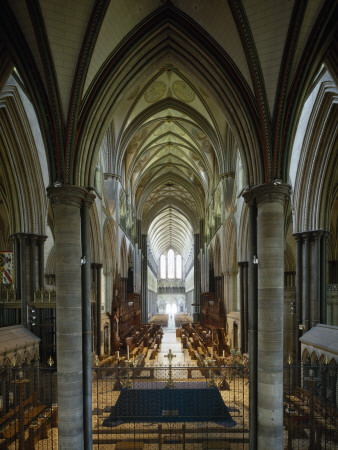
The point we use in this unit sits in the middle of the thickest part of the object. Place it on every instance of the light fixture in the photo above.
(83, 260)
(57, 183)
(255, 259)
(277, 181)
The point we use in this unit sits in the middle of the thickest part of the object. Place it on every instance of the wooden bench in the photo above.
(154, 352)
(129, 445)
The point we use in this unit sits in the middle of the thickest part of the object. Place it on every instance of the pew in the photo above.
(154, 352)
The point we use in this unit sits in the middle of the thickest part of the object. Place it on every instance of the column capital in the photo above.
(108, 175)
(89, 199)
(22, 236)
(297, 236)
(243, 263)
(42, 238)
(270, 192)
(317, 234)
(248, 197)
(67, 194)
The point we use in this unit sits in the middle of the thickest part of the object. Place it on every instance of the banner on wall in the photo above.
(6, 267)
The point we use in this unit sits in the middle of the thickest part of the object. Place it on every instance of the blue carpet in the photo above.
(193, 403)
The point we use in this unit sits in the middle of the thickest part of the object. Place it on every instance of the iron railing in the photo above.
(191, 407)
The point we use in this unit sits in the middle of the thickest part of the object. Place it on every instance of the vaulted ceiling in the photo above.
(175, 88)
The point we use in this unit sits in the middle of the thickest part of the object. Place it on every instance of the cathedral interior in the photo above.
(168, 224)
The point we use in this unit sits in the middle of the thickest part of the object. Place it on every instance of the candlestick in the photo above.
(223, 354)
(128, 352)
(212, 352)
(118, 354)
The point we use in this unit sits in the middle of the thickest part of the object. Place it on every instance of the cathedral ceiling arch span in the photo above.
(181, 207)
(22, 182)
(170, 229)
(137, 59)
(314, 190)
(319, 47)
(30, 72)
(168, 181)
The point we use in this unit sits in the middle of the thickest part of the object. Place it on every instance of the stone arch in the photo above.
(305, 356)
(162, 36)
(23, 183)
(315, 158)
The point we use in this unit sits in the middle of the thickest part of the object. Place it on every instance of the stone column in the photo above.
(144, 317)
(299, 296)
(315, 275)
(252, 317)
(23, 281)
(306, 281)
(197, 279)
(16, 249)
(34, 264)
(245, 315)
(41, 269)
(270, 252)
(86, 322)
(66, 202)
(98, 308)
(241, 302)
(323, 276)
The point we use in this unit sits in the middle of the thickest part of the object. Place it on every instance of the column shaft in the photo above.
(245, 315)
(144, 277)
(323, 267)
(315, 300)
(252, 318)
(197, 279)
(66, 202)
(86, 323)
(299, 295)
(23, 280)
(270, 251)
(33, 264)
(41, 257)
(98, 309)
(306, 282)
(241, 304)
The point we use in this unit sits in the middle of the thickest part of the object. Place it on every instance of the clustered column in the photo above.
(311, 280)
(197, 279)
(243, 290)
(144, 284)
(28, 268)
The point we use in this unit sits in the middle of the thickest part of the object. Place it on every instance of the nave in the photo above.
(158, 158)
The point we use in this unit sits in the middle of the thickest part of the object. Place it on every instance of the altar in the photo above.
(156, 402)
